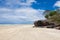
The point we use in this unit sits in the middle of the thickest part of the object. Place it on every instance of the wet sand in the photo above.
(27, 32)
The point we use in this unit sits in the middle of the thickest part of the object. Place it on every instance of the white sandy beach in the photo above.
(27, 32)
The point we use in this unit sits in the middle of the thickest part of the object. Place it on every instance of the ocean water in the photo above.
(16, 25)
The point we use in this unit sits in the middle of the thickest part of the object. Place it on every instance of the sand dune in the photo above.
(27, 32)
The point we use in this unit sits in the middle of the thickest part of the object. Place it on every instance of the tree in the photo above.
(53, 16)
(52, 13)
(46, 16)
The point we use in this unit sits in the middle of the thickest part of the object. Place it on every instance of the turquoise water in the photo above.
(13, 24)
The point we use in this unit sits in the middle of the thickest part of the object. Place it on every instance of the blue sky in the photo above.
(45, 4)
(25, 11)
(38, 4)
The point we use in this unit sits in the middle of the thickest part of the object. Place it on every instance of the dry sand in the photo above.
(27, 32)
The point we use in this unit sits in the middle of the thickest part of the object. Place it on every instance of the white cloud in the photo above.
(57, 4)
(21, 15)
(12, 3)
(5, 9)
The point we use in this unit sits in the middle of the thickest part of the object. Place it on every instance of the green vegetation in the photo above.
(53, 16)
(46, 16)
(52, 13)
